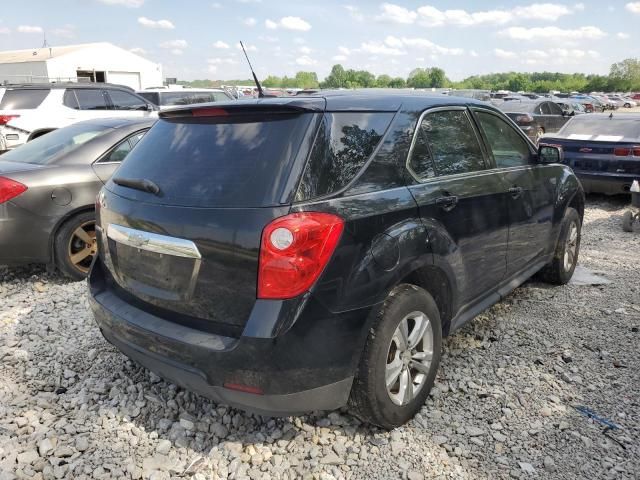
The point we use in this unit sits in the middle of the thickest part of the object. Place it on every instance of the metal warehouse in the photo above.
(91, 62)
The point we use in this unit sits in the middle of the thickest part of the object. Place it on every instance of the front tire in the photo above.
(560, 270)
(400, 359)
(75, 245)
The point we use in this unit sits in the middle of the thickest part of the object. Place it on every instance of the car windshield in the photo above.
(602, 128)
(48, 148)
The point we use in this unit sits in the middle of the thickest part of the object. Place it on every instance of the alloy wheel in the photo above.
(409, 358)
(83, 246)
(571, 247)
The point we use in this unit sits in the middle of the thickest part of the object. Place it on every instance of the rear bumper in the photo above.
(607, 184)
(309, 367)
(24, 236)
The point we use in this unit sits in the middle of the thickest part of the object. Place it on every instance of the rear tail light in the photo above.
(4, 119)
(526, 118)
(293, 252)
(10, 189)
(636, 151)
(621, 152)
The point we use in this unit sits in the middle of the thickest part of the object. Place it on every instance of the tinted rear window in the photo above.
(23, 99)
(54, 145)
(343, 145)
(602, 128)
(236, 161)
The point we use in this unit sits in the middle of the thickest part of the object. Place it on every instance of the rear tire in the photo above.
(75, 245)
(560, 270)
(627, 221)
(400, 359)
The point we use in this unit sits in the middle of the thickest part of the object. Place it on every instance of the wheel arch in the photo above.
(64, 219)
(38, 133)
(436, 282)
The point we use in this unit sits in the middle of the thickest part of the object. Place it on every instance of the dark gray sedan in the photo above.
(535, 118)
(48, 188)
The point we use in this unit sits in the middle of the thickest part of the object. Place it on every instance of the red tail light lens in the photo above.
(10, 189)
(621, 152)
(293, 252)
(636, 151)
(4, 119)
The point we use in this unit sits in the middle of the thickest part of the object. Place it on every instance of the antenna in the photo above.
(255, 79)
(45, 44)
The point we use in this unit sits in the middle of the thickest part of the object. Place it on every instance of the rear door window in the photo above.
(453, 142)
(24, 99)
(126, 101)
(237, 160)
(88, 99)
(344, 143)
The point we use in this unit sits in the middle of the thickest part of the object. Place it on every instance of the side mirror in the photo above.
(550, 154)
(150, 108)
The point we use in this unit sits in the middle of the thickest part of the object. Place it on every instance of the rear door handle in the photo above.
(447, 203)
(515, 192)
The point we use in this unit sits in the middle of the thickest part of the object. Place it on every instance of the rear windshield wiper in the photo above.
(138, 184)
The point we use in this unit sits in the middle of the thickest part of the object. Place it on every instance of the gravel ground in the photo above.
(71, 406)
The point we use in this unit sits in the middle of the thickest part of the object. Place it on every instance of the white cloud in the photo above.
(380, 49)
(305, 61)
(622, 35)
(500, 53)
(344, 50)
(250, 22)
(212, 69)
(248, 47)
(339, 58)
(249, 1)
(431, 16)
(552, 33)
(163, 24)
(579, 7)
(216, 5)
(68, 31)
(4, 31)
(396, 14)
(355, 13)
(222, 61)
(633, 7)
(573, 53)
(220, 44)
(138, 51)
(304, 50)
(295, 23)
(473, 53)
(124, 3)
(536, 54)
(176, 51)
(289, 23)
(177, 44)
(421, 43)
(29, 29)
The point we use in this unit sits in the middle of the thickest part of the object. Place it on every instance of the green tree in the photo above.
(625, 75)
(419, 78)
(336, 79)
(437, 78)
(397, 82)
(306, 80)
(383, 81)
(272, 81)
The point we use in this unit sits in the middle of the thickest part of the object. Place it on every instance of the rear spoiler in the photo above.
(260, 107)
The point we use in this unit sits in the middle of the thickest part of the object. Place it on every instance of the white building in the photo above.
(91, 62)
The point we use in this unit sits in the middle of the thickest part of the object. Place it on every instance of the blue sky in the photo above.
(198, 38)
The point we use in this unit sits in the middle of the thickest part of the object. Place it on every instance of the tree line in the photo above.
(623, 76)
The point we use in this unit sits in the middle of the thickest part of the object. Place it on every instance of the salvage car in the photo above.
(603, 150)
(535, 118)
(48, 188)
(301, 253)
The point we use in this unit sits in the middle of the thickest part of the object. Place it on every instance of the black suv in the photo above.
(296, 254)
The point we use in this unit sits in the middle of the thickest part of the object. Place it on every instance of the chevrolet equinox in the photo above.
(297, 254)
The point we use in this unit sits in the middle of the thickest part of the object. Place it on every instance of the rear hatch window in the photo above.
(24, 99)
(240, 159)
(602, 128)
